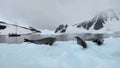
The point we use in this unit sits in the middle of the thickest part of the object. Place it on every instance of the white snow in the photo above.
(72, 29)
(63, 54)
(49, 32)
(12, 29)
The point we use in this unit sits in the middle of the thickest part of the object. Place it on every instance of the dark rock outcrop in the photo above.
(2, 27)
(61, 28)
(34, 30)
(2, 22)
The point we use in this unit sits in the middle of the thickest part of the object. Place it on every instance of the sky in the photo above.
(48, 14)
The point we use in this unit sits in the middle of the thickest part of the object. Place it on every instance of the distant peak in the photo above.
(109, 14)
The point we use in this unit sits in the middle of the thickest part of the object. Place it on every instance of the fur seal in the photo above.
(48, 40)
(81, 42)
(98, 41)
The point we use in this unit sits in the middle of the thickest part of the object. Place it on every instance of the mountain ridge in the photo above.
(105, 21)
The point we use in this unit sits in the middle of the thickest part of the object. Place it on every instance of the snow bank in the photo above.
(63, 54)
(49, 32)
(106, 30)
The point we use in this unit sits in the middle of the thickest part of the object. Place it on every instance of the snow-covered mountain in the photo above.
(107, 21)
(61, 28)
(99, 21)
(6, 29)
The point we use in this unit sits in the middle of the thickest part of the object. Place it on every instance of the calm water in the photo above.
(63, 37)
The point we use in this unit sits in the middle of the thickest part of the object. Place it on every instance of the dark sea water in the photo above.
(62, 37)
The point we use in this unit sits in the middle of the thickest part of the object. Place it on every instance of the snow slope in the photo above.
(12, 29)
(101, 31)
(104, 22)
(65, 54)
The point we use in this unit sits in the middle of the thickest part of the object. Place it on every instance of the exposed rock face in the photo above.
(2, 22)
(33, 29)
(2, 27)
(61, 28)
(85, 25)
(99, 23)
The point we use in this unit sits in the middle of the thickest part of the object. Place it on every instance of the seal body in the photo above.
(48, 40)
(98, 41)
(81, 42)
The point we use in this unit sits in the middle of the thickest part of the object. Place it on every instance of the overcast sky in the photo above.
(48, 14)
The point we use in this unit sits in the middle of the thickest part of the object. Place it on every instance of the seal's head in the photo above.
(25, 40)
(76, 37)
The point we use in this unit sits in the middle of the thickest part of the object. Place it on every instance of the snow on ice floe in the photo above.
(63, 54)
